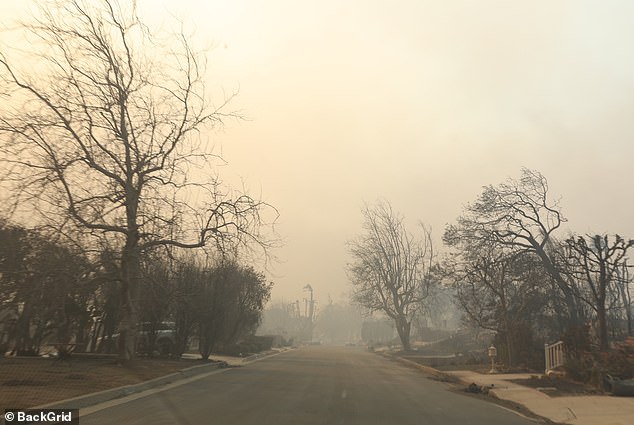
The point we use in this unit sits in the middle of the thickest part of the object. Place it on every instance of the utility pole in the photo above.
(311, 312)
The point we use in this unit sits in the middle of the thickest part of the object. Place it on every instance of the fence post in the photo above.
(554, 355)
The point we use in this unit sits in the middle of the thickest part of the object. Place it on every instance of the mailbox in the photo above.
(493, 352)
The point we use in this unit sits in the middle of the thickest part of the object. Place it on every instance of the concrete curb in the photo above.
(84, 401)
(259, 356)
(440, 374)
(491, 392)
(427, 369)
(266, 354)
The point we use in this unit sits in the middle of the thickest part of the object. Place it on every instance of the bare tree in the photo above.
(596, 263)
(623, 285)
(502, 293)
(518, 216)
(391, 268)
(104, 129)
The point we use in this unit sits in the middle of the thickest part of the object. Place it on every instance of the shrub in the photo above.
(579, 368)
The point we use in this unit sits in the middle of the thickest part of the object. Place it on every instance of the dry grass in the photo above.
(557, 387)
(28, 382)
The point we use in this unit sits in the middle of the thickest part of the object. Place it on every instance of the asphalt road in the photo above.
(312, 385)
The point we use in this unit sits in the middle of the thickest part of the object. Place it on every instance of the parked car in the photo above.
(164, 337)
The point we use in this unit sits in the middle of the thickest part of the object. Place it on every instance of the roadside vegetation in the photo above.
(115, 226)
(118, 236)
(517, 277)
(56, 298)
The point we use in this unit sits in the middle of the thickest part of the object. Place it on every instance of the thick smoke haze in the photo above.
(418, 102)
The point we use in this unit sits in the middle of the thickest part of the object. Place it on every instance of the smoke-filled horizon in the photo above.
(420, 103)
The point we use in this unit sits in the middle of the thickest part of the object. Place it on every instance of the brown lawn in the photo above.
(29, 382)
(558, 387)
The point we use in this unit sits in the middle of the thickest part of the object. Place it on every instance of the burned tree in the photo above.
(502, 293)
(391, 268)
(596, 263)
(519, 217)
(103, 128)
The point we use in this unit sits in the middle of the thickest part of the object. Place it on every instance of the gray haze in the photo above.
(418, 102)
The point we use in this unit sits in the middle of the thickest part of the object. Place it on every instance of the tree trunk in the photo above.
(403, 329)
(626, 306)
(604, 282)
(509, 348)
(574, 318)
(206, 342)
(182, 337)
(603, 326)
(24, 344)
(623, 285)
(130, 269)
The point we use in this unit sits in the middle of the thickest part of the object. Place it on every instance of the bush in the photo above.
(528, 353)
(577, 341)
(591, 368)
(579, 368)
(250, 345)
(617, 363)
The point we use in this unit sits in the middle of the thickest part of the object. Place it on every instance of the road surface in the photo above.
(312, 385)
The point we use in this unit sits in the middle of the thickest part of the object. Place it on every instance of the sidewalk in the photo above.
(239, 361)
(574, 410)
(231, 361)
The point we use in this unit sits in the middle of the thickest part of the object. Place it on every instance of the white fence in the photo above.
(554, 355)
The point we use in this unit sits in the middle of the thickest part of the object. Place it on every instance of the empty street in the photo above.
(311, 385)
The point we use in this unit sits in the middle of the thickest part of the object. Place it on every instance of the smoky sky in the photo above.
(417, 102)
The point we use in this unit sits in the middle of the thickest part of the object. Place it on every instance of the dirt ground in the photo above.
(28, 382)
(557, 387)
